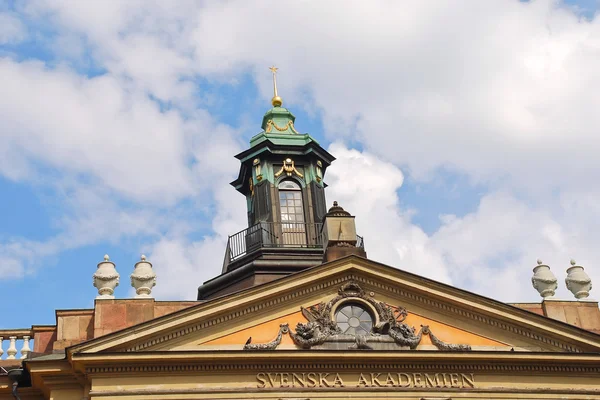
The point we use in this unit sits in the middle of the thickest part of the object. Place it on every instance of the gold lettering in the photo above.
(362, 381)
(262, 382)
(389, 381)
(284, 379)
(446, 383)
(454, 379)
(372, 379)
(375, 379)
(407, 378)
(338, 381)
(296, 378)
(429, 380)
(439, 382)
(468, 379)
(272, 379)
(417, 379)
(311, 377)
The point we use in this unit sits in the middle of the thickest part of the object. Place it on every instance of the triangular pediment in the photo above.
(301, 312)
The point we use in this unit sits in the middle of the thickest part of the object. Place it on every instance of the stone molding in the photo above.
(237, 314)
(438, 366)
(472, 315)
(445, 307)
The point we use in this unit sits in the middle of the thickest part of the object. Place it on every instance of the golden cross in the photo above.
(274, 71)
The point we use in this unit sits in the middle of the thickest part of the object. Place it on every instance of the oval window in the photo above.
(354, 319)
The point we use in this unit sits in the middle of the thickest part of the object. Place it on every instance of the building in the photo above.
(300, 312)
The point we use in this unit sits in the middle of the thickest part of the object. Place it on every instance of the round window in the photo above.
(354, 319)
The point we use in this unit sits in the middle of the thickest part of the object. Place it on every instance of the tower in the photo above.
(281, 175)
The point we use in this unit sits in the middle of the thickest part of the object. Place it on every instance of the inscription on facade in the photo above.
(365, 379)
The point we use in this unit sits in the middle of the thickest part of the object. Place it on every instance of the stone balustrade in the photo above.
(15, 343)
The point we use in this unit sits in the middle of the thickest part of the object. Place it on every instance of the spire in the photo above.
(276, 100)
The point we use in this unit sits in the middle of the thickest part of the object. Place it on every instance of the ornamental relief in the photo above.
(289, 168)
(354, 320)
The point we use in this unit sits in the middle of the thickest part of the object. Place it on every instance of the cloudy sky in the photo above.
(467, 135)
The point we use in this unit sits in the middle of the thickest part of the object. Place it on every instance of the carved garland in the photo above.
(283, 329)
(271, 124)
(321, 327)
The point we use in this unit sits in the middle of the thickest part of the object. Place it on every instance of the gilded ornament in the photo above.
(288, 167)
(276, 100)
(271, 124)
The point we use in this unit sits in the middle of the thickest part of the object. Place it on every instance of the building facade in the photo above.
(300, 312)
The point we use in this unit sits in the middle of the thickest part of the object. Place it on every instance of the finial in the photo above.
(543, 280)
(106, 279)
(573, 262)
(143, 278)
(578, 281)
(335, 203)
(276, 100)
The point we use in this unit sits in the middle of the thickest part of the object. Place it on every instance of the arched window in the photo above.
(292, 213)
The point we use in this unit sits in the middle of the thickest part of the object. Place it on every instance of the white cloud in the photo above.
(12, 29)
(503, 92)
(490, 251)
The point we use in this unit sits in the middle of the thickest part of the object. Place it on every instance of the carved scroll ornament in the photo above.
(321, 327)
(272, 345)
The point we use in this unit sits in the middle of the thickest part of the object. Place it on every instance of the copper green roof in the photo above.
(278, 127)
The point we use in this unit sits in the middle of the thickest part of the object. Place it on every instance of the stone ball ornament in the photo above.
(578, 281)
(543, 280)
(143, 278)
(106, 279)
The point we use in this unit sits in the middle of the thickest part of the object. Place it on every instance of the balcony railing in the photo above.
(19, 341)
(275, 234)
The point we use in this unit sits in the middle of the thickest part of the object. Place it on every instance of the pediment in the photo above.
(406, 312)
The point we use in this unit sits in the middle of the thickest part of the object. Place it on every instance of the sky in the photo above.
(466, 134)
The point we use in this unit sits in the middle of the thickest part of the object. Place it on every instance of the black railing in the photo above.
(275, 234)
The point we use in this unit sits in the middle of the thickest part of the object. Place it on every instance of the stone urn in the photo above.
(578, 281)
(106, 279)
(543, 280)
(143, 278)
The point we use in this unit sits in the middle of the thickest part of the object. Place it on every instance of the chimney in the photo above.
(339, 233)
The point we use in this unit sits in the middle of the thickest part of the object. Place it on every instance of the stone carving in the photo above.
(106, 279)
(143, 278)
(578, 281)
(360, 343)
(322, 328)
(283, 329)
(543, 280)
(441, 345)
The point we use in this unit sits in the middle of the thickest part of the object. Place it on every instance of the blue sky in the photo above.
(466, 137)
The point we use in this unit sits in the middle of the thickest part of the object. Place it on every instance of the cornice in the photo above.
(242, 392)
(494, 322)
(445, 307)
(437, 296)
(238, 313)
(546, 365)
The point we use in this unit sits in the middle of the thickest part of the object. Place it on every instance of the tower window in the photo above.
(292, 213)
